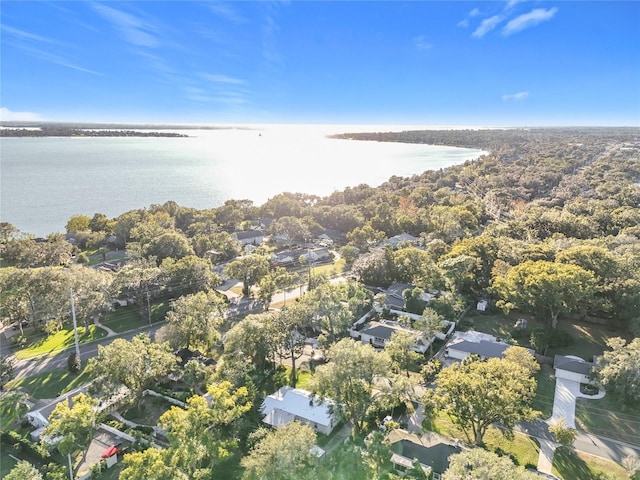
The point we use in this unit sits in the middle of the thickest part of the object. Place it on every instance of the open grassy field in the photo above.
(59, 341)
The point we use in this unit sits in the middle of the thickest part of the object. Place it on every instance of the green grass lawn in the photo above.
(543, 401)
(581, 466)
(6, 461)
(10, 411)
(151, 409)
(60, 340)
(123, 319)
(608, 418)
(50, 384)
(522, 449)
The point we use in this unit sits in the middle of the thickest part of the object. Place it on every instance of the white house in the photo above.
(572, 368)
(288, 404)
(250, 237)
(463, 344)
(396, 240)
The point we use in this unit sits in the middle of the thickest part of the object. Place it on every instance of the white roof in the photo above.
(289, 403)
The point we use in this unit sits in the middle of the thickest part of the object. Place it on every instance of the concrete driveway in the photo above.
(564, 401)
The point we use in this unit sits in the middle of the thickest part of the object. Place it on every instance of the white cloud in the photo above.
(134, 30)
(7, 115)
(421, 43)
(465, 21)
(227, 12)
(487, 25)
(515, 96)
(528, 20)
(513, 3)
(223, 79)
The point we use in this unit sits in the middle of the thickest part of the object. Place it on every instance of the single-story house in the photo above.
(330, 237)
(317, 255)
(432, 452)
(379, 333)
(572, 368)
(396, 240)
(463, 344)
(288, 404)
(250, 237)
(395, 295)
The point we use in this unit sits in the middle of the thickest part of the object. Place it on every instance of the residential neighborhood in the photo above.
(316, 338)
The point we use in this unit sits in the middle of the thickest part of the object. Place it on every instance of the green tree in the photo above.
(618, 369)
(78, 223)
(169, 245)
(430, 324)
(139, 279)
(23, 470)
(194, 320)
(75, 424)
(283, 454)
(479, 464)
(6, 370)
(250, 269)
(253, 336)
(365, 237)
(564, 434)
(292, 228)
(137, 364)
(478, 394)
(349, 379)
(399, 350)
(545, 287)
(288, 340)
(188, 274)
(137, 466)
(200, 435)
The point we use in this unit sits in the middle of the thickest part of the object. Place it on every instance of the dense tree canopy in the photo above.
(477, 394)
(618, 369)
(546, 288)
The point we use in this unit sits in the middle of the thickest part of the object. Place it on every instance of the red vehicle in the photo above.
(111, 451)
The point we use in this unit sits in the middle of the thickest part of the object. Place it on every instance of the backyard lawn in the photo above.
(151, 409)
(59, 341)
(545, 391)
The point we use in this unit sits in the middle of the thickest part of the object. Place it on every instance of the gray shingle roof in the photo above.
(572, 365)
(482, 348)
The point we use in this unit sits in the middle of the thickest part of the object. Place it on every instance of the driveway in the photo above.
(564, 401)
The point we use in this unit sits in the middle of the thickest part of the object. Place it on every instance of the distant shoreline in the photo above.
(81, 132)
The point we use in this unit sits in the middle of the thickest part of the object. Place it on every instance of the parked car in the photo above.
(112, 450)
(15, 325)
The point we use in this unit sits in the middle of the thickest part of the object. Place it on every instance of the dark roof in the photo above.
(435, 456)
(482, 348)
(379, 330)
(572, 365)
(248, 234)
(399, 288)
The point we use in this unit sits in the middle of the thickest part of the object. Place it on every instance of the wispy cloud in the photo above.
(10, 116)
(422, 43)
(528, 20)
(226, 12)
(41, 47)
(134, 30)
(217, 78)
(513, 3)
(515, 96)
(487, 25)
(465, 21)
(27, 35)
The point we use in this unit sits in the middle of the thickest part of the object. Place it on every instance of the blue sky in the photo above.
(412, 63)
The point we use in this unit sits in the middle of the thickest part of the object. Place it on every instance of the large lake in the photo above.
(46, 180)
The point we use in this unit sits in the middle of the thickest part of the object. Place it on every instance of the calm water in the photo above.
(44, 181)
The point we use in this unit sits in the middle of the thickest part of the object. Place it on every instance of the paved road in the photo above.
(26, 368)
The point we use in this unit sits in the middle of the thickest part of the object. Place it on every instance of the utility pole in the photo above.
(149, 307)
(75, 325)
